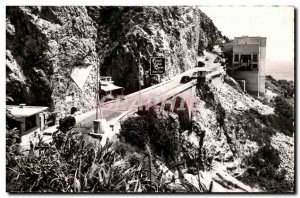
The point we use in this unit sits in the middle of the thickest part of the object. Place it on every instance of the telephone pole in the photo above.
(98, 105)
(140, 92)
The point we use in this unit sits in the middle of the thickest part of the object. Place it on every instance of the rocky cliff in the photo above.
(236, 142)
(249, 138)
(46, 45)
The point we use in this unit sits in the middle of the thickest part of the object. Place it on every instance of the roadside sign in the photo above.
(157, 65)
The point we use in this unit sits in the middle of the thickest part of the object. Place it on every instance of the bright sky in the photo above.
(275, 23)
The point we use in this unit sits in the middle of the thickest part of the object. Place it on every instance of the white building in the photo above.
(248, 61)
(30, 118)
(107, 87)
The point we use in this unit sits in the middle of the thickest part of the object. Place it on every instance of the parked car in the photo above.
(217, 60)
(200, 64)
(185, 79)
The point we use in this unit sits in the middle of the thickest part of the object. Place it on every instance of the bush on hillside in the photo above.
(283, 119)
(157, 128)
(134, 130)
(283, 108)
(263, 170)
(283, 86)
(66, 123)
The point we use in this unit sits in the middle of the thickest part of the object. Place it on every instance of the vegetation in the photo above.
(134, 130)
(263, 165)
(66, 123)
(71, 165)
(207, 95)
(283, 103)
(263, 170)
(160, 133)
(153, 130)
(284, 87)
(283, 119)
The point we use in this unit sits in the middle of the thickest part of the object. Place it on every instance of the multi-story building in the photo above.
(248, 62)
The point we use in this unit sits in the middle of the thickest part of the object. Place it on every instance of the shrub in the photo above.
(281, 123)
(160, 130)
(254, 129)
(283, 108)
(264, 171)
(65, 124)
(283, 118)
(134, 130)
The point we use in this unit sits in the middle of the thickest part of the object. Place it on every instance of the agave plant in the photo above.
(72, 164)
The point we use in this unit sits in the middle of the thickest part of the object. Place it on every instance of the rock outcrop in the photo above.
(242, 137)
(45, 45)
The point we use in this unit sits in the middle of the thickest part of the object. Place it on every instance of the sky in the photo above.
(275, 23)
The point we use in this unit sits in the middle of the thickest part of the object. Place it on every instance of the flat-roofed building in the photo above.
(107, 87)
(248, 62)
(29, 118)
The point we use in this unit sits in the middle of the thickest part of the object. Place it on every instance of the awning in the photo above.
(110, 87)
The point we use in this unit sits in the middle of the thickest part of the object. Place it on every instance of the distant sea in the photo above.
(280, 70)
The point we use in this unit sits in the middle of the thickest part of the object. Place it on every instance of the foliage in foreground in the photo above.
(74, 167)
(70, 164)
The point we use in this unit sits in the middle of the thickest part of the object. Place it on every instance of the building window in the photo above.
(246, 58)
(254, 66)
(236, 58)
(30, 122)
(255, 58)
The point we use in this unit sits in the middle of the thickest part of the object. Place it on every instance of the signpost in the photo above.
(157, 65)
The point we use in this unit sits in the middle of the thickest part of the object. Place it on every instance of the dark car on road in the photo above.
(217, 60)
(200, 64)
(185, 79)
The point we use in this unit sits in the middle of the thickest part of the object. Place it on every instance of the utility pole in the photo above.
(139, 71)
(97, 90)
(98, 105)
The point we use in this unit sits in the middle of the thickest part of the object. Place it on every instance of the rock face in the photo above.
(45, 44)
(177, 33)
(241, 137)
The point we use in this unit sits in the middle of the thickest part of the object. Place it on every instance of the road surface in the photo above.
(113, 109)
(85, 121)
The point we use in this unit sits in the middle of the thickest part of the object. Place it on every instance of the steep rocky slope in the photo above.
(178, 33)
(45, 44)
(233, 142)
(242, 137)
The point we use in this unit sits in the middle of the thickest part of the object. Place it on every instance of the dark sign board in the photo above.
(157, 65)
